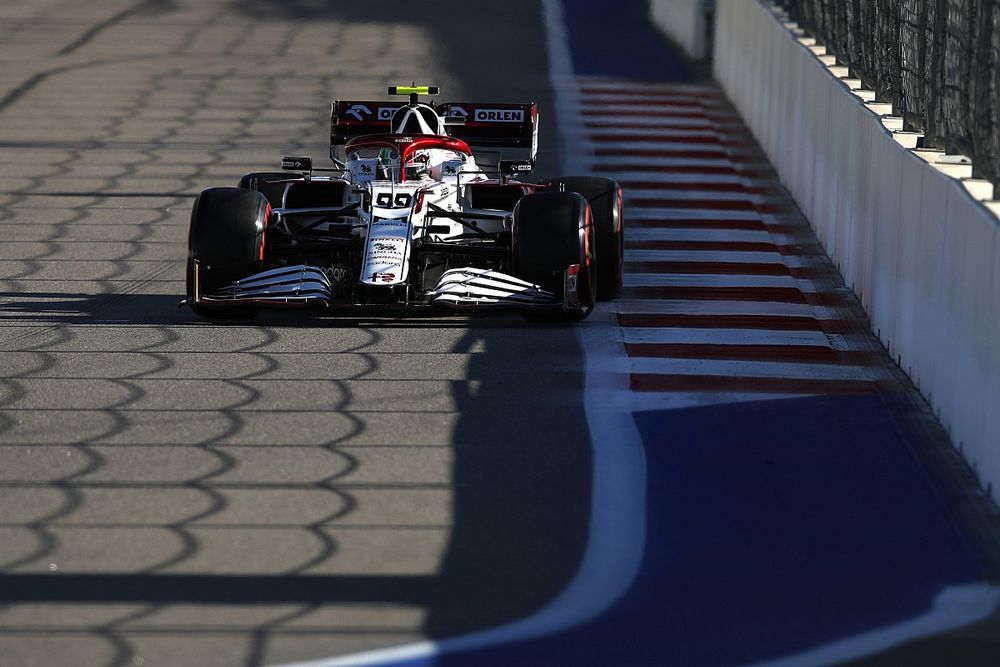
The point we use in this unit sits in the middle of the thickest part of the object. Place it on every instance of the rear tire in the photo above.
(226, 238)
(553, 230)
(605, 198)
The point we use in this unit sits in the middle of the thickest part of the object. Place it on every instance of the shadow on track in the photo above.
(518, 447)
(520, 476)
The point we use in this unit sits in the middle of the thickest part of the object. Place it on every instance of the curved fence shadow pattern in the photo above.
(174, 491)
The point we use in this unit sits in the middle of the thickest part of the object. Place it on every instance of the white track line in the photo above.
(618, 500)
(632, 161)
(707, 256)
(647, 95)
(953, 608)
(654, 132)
(611, 86)
(695, 234)
(679, 196)
(679, 400)
(714, 256)
(694, 179)
(652, 102)
(714, 280)
(641, 234)
(695, 336)
(618, 513)
(716, 150)
(687, 307)
(643, 213)
(652, 121)
(618, 85)
(751, 369)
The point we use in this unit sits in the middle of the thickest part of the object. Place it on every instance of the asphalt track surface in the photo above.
(161, 476)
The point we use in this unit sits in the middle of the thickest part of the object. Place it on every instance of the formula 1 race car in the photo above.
(411, 215)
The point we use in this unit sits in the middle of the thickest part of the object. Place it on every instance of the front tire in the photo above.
(552, 231)
(605, 198)
(226, 239)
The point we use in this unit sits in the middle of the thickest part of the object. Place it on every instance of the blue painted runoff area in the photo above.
(616, 39)
(773, 527)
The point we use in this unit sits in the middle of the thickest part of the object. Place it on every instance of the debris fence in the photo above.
(936, 61)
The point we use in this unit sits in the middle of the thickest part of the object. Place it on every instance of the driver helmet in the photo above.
(418, 166)
(416, 119)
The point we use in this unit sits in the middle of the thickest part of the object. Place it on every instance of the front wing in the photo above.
(457, 289)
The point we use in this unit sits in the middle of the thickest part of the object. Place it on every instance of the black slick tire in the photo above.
(226, 239)
(605, 198)
(552, 231)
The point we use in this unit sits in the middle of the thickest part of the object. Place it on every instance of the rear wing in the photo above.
(481, 125)
(349, 119)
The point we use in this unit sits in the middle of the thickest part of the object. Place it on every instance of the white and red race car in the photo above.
(419, 211)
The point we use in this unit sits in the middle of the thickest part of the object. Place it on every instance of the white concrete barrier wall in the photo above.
(914, 237)
(685, 22)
